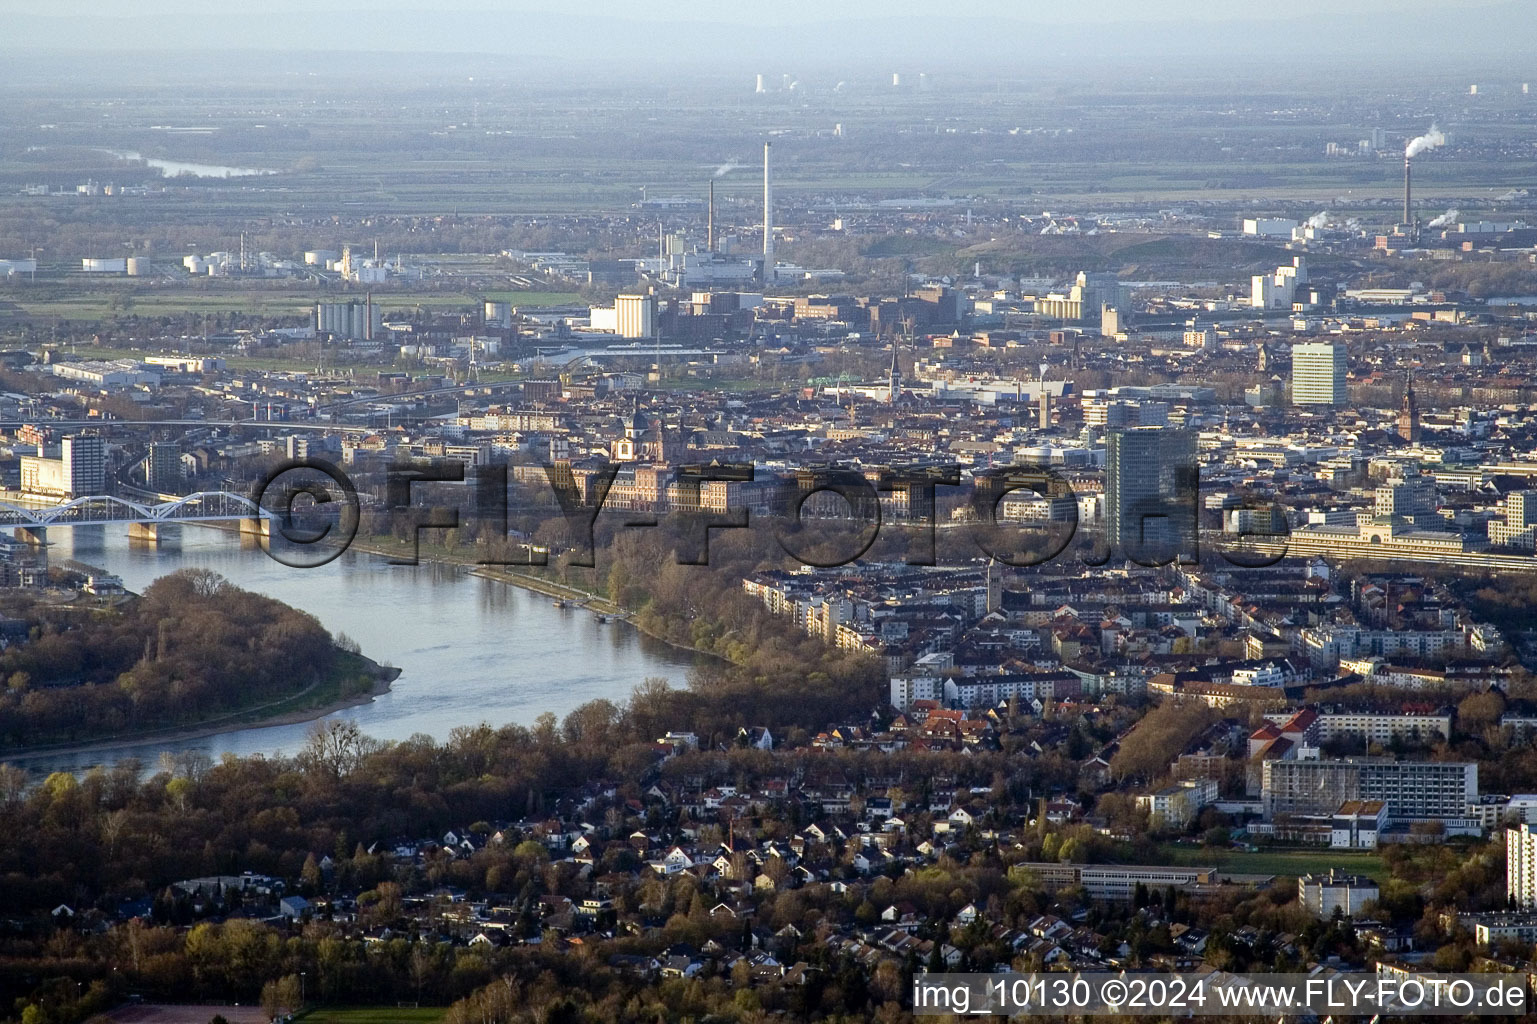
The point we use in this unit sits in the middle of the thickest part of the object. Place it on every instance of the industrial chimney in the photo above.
(768, 216)
(1408, 215)
(710, 222)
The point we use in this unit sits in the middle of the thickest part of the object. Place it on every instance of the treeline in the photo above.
(112, 835)
(192, 647)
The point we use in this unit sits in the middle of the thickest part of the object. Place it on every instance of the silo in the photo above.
(138, 266)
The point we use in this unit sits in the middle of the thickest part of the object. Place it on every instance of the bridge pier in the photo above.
(258, 528)
(144, 533)
(35, 535)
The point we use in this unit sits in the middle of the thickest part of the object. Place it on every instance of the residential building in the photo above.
(1176, 806)
(1318, 373)
(1521, 865)
(1327, 894)
(1412, 790)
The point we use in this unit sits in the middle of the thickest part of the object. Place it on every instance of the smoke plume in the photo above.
(1449, 217)
(1319, 219)
(1430, 140)
(725, 169)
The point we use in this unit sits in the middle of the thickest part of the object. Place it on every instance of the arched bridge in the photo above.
(101, 510)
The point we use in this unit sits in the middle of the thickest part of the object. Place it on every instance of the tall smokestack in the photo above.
(710, 223)
(768, 215)
(1407, 207)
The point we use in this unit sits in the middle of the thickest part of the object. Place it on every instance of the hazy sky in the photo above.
(655, 34)
(791, 11)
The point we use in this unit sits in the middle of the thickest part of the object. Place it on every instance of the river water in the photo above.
(470, 649)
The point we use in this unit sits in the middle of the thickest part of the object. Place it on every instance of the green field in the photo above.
(374, 1015)
(1286, 863)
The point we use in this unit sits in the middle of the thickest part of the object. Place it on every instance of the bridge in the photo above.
(144, 520)
(101, 424)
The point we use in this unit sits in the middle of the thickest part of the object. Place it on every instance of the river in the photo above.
(470, 649)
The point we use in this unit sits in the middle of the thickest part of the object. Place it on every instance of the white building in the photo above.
(908, 688)
(1177, 806)
(1278, 290)
(117, 373)
(635, 316)
(1383, 726)
(1521, 865)
(1318, 373)
(81, 471)
(1269, 227)
(1357, 824)
(1517, 529)
(1324, 894)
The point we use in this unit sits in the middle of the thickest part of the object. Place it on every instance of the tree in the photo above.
(282, 996)
(310, 874)
(336, 747)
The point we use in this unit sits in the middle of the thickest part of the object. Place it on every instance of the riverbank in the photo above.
(384, 548)
(294, 709)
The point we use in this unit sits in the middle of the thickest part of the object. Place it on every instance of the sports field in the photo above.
(1281, 863)
(374, 1015)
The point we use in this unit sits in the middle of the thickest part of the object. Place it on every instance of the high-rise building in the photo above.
(1521, 865)
(1318, 373)
(162, 469)
(85, 465)
(1151, 499)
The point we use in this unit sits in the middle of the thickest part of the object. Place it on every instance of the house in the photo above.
(681, 966)
(757, 737)
(293, 907)
(676, 861)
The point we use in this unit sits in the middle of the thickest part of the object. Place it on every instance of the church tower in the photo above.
(1409, 413)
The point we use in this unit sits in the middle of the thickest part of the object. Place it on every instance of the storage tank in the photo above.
(138, 266)
(103, 266)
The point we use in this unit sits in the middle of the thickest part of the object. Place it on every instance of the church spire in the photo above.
(1409, 411)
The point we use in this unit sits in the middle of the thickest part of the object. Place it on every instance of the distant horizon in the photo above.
(1097, 35)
